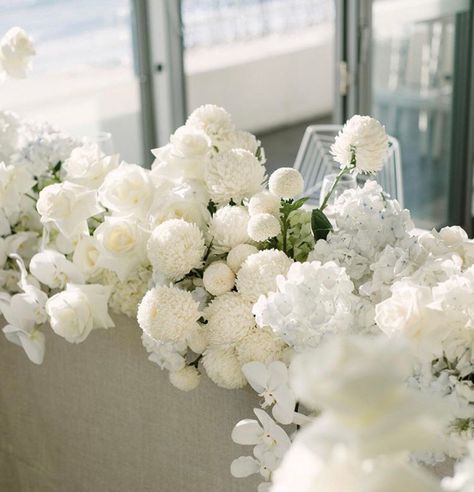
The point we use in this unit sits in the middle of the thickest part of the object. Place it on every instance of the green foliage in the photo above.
(320, 224)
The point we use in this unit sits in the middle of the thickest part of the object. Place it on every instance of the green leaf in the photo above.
(320, 224)
(299, 203)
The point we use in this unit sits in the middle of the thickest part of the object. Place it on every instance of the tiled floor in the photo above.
(281, 145)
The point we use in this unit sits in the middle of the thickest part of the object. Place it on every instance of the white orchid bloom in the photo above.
(23, 312)
(271, 383)
(54, 270)
(266, 435)
(263, 463)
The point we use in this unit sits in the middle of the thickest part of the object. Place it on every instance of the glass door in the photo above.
(409, 64)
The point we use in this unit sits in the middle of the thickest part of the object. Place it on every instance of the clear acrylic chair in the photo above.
(314, 161)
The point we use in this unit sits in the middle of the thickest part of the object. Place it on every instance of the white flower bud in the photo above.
(263, 226)
(218, 278)
(286, 182)
(264, 203)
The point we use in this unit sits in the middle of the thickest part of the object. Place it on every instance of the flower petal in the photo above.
(247, 432)
(257, 375)
(244, 467)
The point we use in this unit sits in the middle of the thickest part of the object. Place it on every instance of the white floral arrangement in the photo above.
(231, 275)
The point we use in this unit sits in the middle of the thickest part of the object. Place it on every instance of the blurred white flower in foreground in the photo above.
(370, 423)
(463, 480)
(16, 51)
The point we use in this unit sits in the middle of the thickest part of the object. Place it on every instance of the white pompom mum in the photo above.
(264, 203)
(238, 254)
(218, 278)
(286, 183)
(263, 226)
(185, 379)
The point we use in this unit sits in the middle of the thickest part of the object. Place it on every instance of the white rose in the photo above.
(122, 245)
(186, 201)
(185, 155)
(86, 256)
(16, 50)
(54, 270)
(88, 166)
(75, 312)
(127, 190)
(68, 206)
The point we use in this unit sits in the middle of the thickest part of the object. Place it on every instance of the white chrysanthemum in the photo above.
(238, 254)
(263, 226)
(233, 175)
(286, 182)
(175, 248)
(223, 367)
(264, 202)
(261, 345)
(214, 121)
(229, 319)
(168, 314)
(218, 278)
(258, 274)
(241, 139)
(197, 339)
(228, 228)
(185, 379)
(312, 300)
(363, 139)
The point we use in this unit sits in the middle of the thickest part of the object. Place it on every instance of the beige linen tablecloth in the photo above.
(100, 417)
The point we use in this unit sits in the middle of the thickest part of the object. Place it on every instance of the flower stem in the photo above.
(343, 171)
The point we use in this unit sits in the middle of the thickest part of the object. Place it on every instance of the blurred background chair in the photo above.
(314, 161)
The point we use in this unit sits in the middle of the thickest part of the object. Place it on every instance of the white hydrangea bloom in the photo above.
(238, 254)
(176, 247)
(363, 139)
(223, 368)
(229, 319)
(9, 126)
(263, 226)
(168, 314)
(233, 175)
(258, 274)
(218, 278)
(228, 228)
(313, 300)
(286, 183)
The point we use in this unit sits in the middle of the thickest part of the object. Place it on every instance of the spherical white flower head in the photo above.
(261, 345)
(264, 202)
(233, 175)
(223, 368)
(197, 339)
(229, 319)
(213, 120)
(218, 278)
(286, 183)
(263, 226)
(363, 138)
(176, 247)
(238, 254)
(228, 228)
(185, 379)
(168, 314)
(312, 300)
(258, 273)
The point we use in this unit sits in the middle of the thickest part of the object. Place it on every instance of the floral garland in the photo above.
(236, 279)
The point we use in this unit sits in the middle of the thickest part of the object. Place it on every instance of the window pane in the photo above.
(83, 77)
(268, 62)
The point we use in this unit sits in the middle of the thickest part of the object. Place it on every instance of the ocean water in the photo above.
(71, 33)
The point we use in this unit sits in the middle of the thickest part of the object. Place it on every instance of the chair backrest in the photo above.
(314, 161)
